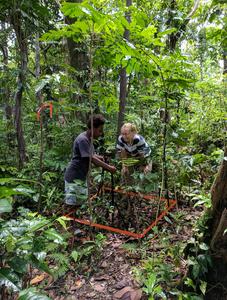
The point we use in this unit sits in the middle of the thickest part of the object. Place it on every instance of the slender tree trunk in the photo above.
(39, 101)
(78, 56)
(171, 46)
(79, 60)
(181, 27)
(122, 99)
(22, 43)
(123, 79)
(225, 61)
(37, 66)
(8, 107)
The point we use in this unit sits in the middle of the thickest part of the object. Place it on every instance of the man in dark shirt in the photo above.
(77, 170)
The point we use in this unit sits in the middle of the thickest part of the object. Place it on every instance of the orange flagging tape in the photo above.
(44, 106)
(172, 203)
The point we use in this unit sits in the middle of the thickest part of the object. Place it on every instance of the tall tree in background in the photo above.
(25, 18)
(123, 76)
(171, 47)
(78, 57)
(5, 86)
(16, 21)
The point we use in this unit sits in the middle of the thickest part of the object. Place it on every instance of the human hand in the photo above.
(124, 171)
(112, 169)
(148, 168)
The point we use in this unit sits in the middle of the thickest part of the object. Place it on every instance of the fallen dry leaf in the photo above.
(78, 284)
(121, 284)
(136, 295)
(102, 277)
(104, 264)
(99, 288)
(122, 292)
(38, 279)
(128, 293)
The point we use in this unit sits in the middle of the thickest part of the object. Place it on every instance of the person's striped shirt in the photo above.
(137, 148)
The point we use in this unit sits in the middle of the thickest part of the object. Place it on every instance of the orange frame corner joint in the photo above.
(172, 203)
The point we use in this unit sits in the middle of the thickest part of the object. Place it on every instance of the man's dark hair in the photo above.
(98, 120)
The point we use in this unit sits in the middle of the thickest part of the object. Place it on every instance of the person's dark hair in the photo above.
(98, 120)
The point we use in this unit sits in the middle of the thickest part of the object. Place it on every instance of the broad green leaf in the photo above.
(10, 243)
(195, 270)
(41, 265)
(32, 294)
(149, 31)
(38, 224)
(24, 190)
(9, 279)
(168, 31)
(52, 234)
(189, 282)
(41, 84)
(18, 264)
(62, 220)
(5, 206)
(12, 180)
(203, 286)
(75, 255)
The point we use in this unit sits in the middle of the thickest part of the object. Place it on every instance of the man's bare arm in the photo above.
(99, 163)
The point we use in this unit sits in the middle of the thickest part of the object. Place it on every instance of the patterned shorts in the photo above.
(76, 192)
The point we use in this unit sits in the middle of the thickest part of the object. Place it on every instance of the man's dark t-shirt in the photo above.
(78, 167)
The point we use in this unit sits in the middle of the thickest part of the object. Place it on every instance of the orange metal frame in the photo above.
(172, 203)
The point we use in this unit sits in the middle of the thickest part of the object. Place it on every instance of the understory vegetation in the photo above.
(158, 64)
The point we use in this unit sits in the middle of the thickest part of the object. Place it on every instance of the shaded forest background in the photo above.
(159, 64)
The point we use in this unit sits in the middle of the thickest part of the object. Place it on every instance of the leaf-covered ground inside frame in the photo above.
(111, 273)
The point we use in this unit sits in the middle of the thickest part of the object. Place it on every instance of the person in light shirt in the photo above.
(130, 144)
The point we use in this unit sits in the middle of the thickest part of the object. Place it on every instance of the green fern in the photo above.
(62, 263)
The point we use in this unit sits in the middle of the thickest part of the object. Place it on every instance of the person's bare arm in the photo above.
(99, 163)
(99, 157)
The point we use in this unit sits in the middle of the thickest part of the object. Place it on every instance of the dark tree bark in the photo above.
(171, 46)
(37, 66)
(8, 107)
(23, 49)
(217, 277)
(78, 57)
(123, 79)
(175, 36)
(225, 61)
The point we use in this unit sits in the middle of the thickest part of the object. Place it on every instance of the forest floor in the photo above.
(109, 273)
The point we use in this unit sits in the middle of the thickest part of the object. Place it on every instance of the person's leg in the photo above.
(81, 190)
(70, 193)
(75, 192)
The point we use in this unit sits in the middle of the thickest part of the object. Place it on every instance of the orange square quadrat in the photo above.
(165, 205)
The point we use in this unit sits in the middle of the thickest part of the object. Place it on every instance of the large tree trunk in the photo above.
(22, 42)
(78, 57)
(217, 275)
(123, 79)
